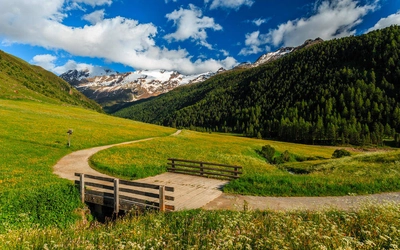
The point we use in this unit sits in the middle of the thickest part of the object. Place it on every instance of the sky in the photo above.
(189, 36)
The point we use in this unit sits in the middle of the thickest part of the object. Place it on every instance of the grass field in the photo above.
(41, 211)
(373, 227)
(359, 174)
(32, 139)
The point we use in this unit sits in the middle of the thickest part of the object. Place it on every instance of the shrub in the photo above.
(268, 152)
(339, 153)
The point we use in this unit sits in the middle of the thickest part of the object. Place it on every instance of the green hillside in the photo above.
(37, 108)
(339, 91)
(20, 80)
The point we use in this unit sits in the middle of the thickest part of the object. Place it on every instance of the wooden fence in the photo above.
(123, 195)
(205, 169)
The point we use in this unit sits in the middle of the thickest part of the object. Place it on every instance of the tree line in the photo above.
(339, 91)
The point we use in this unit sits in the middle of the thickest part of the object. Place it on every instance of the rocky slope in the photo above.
(108, 87)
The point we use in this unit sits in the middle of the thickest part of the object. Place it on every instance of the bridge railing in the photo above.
(204, 169)
(123, 195)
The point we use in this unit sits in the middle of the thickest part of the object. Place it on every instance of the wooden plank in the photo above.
(100, 200)
(99, 193)
(128, 205)
(142, 193)
(100, 178)
(208, 163)
(181, 170)
(98, 185)
(202, 167)
(138, 184)
(144, 185)
(191, 172)
(169, 207)
(142, 201)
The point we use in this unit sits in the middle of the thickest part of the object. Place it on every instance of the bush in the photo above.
(268, 152)
(339, 153)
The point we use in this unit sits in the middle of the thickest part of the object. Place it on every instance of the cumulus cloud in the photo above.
(72, 65)
(229, 4)
(393, 19)
(94, 17)
(117, 39)
(191, 24)
(45, 61)
(253, 41)
(332, 19)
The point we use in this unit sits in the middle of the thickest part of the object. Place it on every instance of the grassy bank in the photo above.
(359, 174)
(32, 139)
(149, 158)
(373, 227)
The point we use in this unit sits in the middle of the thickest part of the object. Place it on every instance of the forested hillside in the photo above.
(340, 91)
(20, 80)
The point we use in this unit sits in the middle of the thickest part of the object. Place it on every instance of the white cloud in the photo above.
(260, 21)
(72, 65)
(252, 42)
(191, 24)
(94, 17)
(333, 19)
(45, 61)
(229, 4)
(224, 52)
(387, 21)
(117, 39)
(94, 3)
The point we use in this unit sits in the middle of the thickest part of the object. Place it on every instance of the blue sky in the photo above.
(187, 36)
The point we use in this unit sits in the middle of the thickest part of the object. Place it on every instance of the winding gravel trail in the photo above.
(347, 203)
(77, 162)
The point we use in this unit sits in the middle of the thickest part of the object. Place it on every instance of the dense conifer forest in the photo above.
(336, 92)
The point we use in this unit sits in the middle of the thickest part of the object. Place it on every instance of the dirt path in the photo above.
(77, 162)
(239, 202)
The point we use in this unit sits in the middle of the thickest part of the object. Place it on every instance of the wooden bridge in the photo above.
(187, 185)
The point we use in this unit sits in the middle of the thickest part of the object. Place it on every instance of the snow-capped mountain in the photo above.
(272, 56)
(108, 87)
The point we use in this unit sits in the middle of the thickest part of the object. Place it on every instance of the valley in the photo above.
(38, 209)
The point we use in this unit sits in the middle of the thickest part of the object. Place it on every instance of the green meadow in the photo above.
(372, 227)
(320, 175)
(38, 210)
(32, 139)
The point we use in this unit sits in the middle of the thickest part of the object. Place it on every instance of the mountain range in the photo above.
(109, 88)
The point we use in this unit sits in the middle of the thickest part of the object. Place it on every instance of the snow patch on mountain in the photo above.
(110, 87)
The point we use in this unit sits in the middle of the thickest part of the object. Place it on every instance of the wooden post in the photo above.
(82, 187)
(116, 196)
(173, 166)
(236, 172)
(162, 198)
(201, 169)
